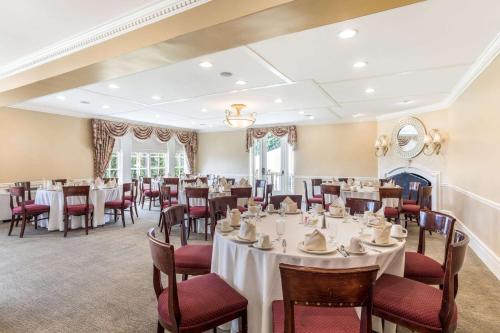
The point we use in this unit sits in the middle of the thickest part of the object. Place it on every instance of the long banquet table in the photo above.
(55, 199)
(255, 273)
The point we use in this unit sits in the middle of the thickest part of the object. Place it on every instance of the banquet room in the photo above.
(250, 166)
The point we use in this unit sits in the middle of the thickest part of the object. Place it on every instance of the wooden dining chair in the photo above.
(132, 197)
(166, 201)
(23, 210)
(148, 192)
(204, 180)
(359, 206)
(383, 181)
(86, 209)
(418, 306)
(394, 194)
(420, 267)
(189, 259)
(62, 181)
(327, 305)
(195, 305)
(412, 211)
(310, 200)
(218, 208)
(231, 181)
(277, 199)
(269, 194)
(189, 182)
(173, 183)
(121, 205)
(331, 190)
(196, 212)
(27, 189)
(343, 180)
(242, 193)
(260, 190)
(316, 186)
(413, 193)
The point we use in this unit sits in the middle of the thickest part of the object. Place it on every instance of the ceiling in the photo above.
(415, 57)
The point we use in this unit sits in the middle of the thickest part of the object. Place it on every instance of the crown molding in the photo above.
(132, 21)
(482, 62)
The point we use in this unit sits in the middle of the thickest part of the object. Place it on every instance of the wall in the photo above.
(35, 145)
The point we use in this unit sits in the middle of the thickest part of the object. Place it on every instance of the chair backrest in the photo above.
(306, 196)
(277, 199)
(127, 188)
(383, 181)
(27, 187)
(62, 181)
(329, 189)
(218, 206)
(425, 197)
(17, 195)
(164, 262)
(343, 179)
(359, 206)
(414, 191)
(171, 181)
(455, 260)
(164, 194)
(315, 183)
(189, 181)
(146, 184)
(231, 180)
(76, 191)
(439, 223)
(174, 215)
(391, 193)
(331, 288)
(135, 186)
(204, 180)
(269, 192)
(260, 184)
(241, 192)
(196, 193)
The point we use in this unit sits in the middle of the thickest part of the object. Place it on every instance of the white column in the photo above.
(126, 151)
(171, 157)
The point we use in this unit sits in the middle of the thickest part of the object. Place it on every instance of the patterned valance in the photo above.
(259, 133)
(104, 134)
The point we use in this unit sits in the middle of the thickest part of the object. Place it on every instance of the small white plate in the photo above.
(336, 216)
(365, 250)
(400, 237)
(368, 240)
(237, 239)
(229, 229)
(329, 249)
(262, 248)
(293, 213)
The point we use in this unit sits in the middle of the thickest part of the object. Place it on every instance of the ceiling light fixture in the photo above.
(360, 64)
(236, 120)
(204, 110)
(206, 64)
(278, 100)
(241, 82)
(301, 112)
(113, 86)
(105, 106)
(61, 97)
(369, 90)
(156, 97)
(357, 115)
(347, 33)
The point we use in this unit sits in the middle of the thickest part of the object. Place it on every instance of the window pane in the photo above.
(144, 160)
(114, 161)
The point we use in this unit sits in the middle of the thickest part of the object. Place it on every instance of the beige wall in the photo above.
(36, 145)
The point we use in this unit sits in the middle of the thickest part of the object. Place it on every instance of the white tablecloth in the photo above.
(255, 273)
(211, 194)
(368, 194)
(55, 199)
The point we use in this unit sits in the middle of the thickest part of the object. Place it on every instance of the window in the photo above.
(148, 165)
(180, 164)
(112, 169)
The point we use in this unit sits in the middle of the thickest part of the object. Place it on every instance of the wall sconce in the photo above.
(433, 141)
(381, 146)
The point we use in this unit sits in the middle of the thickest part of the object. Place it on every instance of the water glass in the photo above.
(332, 231)
(347, 211)
(280, 228)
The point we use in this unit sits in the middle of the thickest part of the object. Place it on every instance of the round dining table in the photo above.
(255, 273)
(55, 199)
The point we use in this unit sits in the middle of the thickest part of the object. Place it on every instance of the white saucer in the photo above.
(368, 240)
(357, 252)
(400, 237)
(237, 239)
(336, 216)
(293, 213)
(329, 249)
(262, 248)
(229, 229)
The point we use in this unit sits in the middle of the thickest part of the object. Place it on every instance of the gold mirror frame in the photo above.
(419, 126)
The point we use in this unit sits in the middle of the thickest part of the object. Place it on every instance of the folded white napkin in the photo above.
(243, 182)
(247, 231)
(381, 233)
(235, 216)
(226, 187)
(199, 183)
(291, 206)
(315, 241)
(381, 211)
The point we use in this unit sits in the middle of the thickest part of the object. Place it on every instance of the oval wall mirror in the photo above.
(408, 137)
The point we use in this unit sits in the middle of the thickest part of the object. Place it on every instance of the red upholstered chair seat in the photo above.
(152, 193)
(198, 212)
(391, 212)
(242, 209)
(316, 200)
(409, 202)
(318, 196)
(202, 299)
(414, 301)
(31, 209)
(258, 199)
(29, 202)
(167, 203)
(173, 193)
(411, 209)
(418, 267)
(194, 256)
(309, 319)
(128, 197)
(79, 209)
(117, 204)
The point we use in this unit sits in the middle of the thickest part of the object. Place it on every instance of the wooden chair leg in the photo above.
(122, 211)
(12, 221)
(206, 228)
(36, 221)
(135, 206)
(66, 225)
(86, 224)
(115, 213)
(159, 328)
(150, 199)
(23, 226)
(243, 322)
(189, 227)
(132, 214)
(142, 207)
(160, 221)
(184, 277)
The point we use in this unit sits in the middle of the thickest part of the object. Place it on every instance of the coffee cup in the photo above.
(397, 230)
(264, 241)
(355, 245)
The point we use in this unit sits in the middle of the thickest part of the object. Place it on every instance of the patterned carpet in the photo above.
(103, 282)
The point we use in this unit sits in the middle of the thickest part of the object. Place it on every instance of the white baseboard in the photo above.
(487, 256)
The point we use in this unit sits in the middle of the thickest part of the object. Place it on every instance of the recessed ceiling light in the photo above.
(113, 86)
(241, 82)
(357, 115)
(61, 97)
(347, 33)
(84, 102)
(157, 115)
(301, 112)
(105, 106)
(369, 90)
(226, 74)
(204, 110)
(360, 64)
(156, 97)
(310, 116)
(206, 64)
(278, 100)
(406, 102)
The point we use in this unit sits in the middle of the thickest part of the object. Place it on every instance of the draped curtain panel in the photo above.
(104, 134)
(259, 133)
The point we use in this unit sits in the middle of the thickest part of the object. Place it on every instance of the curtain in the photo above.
(259, 133)
(104, 134)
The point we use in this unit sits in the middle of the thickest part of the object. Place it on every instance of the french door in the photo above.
(271, 158)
